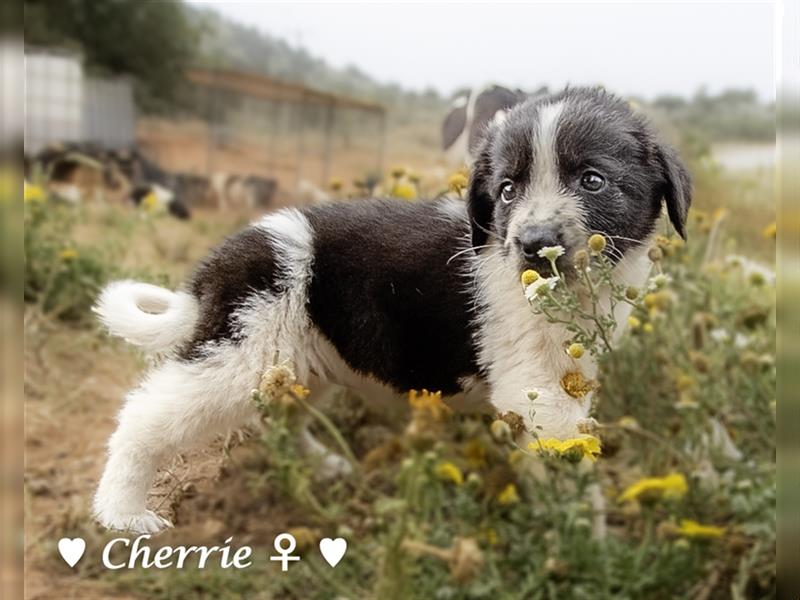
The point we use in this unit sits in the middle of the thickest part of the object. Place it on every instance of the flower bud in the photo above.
(582, 260)
(597, 243)
(528, 277)
(655, 254)
(632, 293)
(575, 350)
(501, 431)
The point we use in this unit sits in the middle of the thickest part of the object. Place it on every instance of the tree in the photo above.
(152, 41)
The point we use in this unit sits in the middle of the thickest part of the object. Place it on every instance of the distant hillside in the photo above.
(225, 43)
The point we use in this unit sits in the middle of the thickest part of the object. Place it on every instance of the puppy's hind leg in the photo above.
(179, 404)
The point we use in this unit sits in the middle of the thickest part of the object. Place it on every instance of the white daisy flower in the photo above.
(534, 289)
(719, 335)
(659, 281)
(551, 252)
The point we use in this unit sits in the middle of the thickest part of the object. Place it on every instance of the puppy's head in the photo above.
(561, 168)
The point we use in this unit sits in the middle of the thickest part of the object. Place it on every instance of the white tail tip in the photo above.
(154, 318)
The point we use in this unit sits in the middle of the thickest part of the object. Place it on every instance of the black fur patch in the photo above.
(244, 263)
(384, 294)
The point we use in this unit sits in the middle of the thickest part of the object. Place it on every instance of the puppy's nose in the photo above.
(534, 238)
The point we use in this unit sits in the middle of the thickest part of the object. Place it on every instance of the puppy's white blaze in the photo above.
(147, 315)
(545, 199)
(544, 177)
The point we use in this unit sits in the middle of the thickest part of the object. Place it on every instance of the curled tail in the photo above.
(146, 315)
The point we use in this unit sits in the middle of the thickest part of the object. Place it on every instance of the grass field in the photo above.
(440, 505)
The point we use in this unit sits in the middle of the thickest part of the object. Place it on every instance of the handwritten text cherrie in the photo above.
(167, 557)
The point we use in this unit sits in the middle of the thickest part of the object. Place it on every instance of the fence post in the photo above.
(330, 115)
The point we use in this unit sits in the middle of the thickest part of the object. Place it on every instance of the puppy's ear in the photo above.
(480, 204)
(677, 190)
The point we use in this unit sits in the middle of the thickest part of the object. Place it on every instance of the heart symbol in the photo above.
(71, 550)
(333, 550)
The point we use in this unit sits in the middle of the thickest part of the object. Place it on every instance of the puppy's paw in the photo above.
(144, 522)
(332, 466)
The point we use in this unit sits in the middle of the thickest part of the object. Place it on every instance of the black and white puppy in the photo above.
(386, 296)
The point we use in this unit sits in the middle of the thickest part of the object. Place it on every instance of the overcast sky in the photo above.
(644, 49)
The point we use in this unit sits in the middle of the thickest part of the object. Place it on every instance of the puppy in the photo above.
(386, 296)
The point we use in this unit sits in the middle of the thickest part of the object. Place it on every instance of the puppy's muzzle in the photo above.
(535, 237)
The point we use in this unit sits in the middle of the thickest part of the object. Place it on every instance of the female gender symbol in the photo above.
(285, 557)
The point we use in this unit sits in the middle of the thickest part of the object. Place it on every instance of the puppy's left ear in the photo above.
(677, 190)
(480, 204)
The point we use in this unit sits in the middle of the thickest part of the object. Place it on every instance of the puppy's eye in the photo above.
(592, 181)
(507, 192)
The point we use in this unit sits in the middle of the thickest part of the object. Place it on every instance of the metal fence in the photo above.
(284, 130)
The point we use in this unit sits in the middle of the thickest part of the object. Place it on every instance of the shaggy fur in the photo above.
(385, 296)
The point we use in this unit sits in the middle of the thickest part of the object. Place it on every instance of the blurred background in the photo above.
(230, 105)
(154, 129)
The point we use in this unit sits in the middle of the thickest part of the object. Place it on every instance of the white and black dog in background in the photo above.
(387, 296)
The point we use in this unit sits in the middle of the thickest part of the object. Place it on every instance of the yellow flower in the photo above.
(335, 184)
(300, 390)
(447, 471)
(150, 201)
(770, 231)
(575, 350)
(405, 191)
(457, 182)
(491, 536)
(693, 529)
(699, 216)
(588, 446)
(647, 328)
(672, 486)
(68, 254)
(597, 243)
(516, 457)
(684, 381)
(657, 300)
(634, 323)
(32, 193)
(428, 402)
(475, 453)
(508, 495)
(576, 385)
(719, 214)
(628, 422)
(528, 277)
